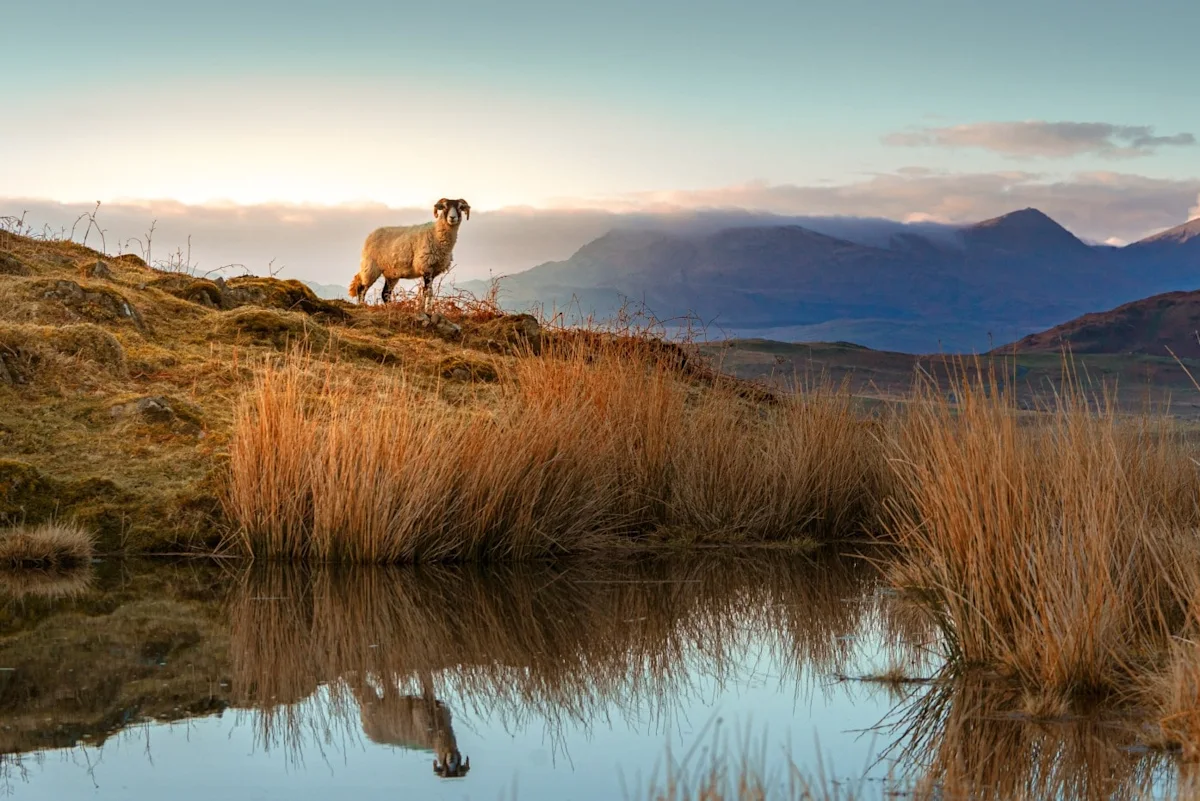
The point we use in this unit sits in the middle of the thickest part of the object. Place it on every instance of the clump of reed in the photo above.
(582, 448)
(1173, 691)
(1051, 544)
(50, 546)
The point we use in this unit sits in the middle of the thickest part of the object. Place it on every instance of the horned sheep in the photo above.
(412, 251)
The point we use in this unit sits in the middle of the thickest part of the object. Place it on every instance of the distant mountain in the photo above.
(328, 291)
(916, 289)
(1149, 326)
(1168, 261)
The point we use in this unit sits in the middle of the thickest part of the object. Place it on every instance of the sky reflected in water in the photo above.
(555, 682)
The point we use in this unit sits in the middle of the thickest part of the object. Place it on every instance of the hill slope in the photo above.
(119, 383)
(1149, 326)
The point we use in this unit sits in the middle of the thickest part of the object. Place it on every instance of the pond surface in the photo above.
(578, 681)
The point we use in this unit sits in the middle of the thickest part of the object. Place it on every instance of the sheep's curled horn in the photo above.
(465, 207)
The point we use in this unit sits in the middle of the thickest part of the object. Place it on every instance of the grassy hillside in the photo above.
(159, 410)
(1135, 381)
(119, 383)
(1154, 326)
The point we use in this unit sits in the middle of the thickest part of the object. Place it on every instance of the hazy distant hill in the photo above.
(1148, 326)
(912, 289)
(328, 291)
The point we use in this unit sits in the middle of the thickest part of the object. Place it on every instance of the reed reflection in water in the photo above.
(960, 738)
(559, 644)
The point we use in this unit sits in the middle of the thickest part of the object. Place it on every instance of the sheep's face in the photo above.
(452, 211)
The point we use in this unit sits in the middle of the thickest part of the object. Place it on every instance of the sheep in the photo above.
(414, 251)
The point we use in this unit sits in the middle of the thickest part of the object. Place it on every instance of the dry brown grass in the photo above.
(51, 545)
(1051, 545)
(581, 448)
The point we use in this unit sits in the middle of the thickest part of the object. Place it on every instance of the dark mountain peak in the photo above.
(1178, 235)
(1022, 218)
(629, 238)
(1026, 229)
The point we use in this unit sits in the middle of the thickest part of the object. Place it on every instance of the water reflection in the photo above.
(566, 645)
(376, 670)
(962, 739)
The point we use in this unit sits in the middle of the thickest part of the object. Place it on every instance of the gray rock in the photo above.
(11, 265)
(440, 325)
(154, 409)
(96, 269)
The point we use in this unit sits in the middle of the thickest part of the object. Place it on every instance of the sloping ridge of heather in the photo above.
(1154, 326)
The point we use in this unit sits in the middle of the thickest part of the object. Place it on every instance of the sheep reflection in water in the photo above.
(417, 722)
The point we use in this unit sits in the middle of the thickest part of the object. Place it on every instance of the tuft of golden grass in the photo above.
(49, 546)
(582, 447)
(1174, 690)
(1049, 543)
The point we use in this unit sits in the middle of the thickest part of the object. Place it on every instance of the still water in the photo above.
(578, 681)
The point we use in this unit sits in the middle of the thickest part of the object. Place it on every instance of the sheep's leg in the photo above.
(426, 290)
(385, 294)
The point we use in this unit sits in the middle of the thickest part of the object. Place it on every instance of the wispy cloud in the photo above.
(1042, 139)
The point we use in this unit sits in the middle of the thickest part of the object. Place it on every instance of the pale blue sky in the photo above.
(539, 102)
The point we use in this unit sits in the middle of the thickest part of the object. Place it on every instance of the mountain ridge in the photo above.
(996, 280)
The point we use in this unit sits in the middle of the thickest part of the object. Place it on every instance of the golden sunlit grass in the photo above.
(580, 448)
(1051, 545)
(47, 546)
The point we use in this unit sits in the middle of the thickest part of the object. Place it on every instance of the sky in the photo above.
(948, 110)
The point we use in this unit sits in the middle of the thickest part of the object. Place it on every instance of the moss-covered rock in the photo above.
(11, 265)
(89, 342)
(63, 300)
(465, 368)
(194, 290)
(277, 329)
(273, 293)
(517, 333)
(26, 349)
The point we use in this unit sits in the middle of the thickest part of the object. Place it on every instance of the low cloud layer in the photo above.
(321, 243)
(1095, 206)
(1039, 138)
